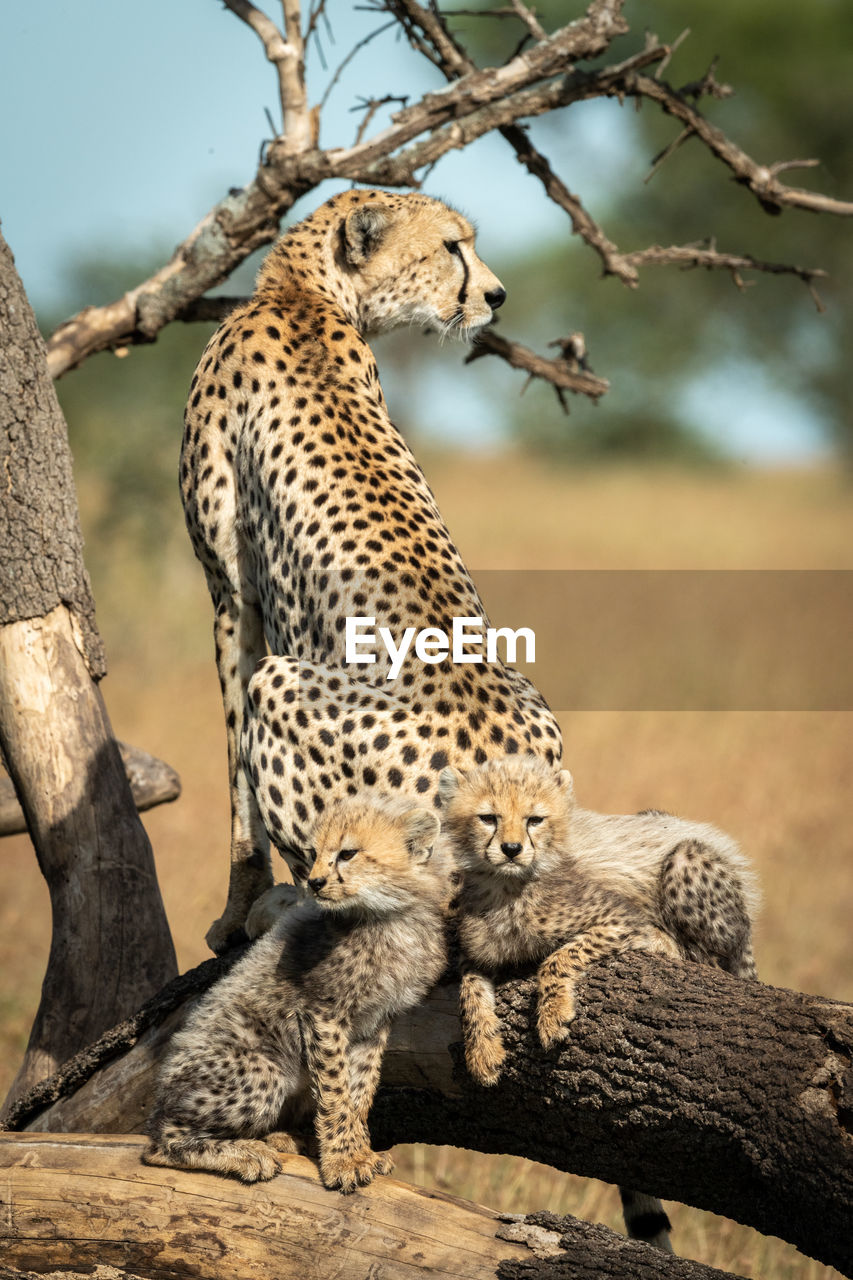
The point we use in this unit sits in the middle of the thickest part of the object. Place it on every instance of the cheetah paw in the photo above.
(556, 1012)
(285, 1144)
(251, 1160)
(485, 1058)
(355, 1169)
(224, 934)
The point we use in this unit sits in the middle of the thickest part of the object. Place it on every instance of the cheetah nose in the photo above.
(511, 850)
(496, 297)
(316, 883)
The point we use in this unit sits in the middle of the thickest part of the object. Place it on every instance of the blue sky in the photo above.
(124, 122)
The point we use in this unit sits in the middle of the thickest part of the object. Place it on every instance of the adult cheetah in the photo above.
(306, 506)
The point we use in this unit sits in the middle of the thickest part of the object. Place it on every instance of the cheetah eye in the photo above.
(534, 820)
(346, 855)
(452, 246)
(490, 819)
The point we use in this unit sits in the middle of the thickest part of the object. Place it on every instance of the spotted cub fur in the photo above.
(547, 881)
(525, 899)
(305, 506)
(304, 1016)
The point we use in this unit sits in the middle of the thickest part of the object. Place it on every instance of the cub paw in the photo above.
(284, 1143)
(484, 1059)
(345, 1172)
(251, 1161)
(556, 1011)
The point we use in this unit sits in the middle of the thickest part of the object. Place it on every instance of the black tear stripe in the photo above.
(462, 295)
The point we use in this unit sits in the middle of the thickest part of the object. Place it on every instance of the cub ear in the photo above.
(363, 231)
(449, 782)
(421, 828)
(566, 783)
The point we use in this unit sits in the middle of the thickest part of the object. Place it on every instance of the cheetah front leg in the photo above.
(239, 637)
(484, 1049)
(365, 1065)
(346, 1160)
(558, 974)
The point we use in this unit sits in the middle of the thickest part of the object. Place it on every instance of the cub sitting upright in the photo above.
(309, 1008)
(306, 506)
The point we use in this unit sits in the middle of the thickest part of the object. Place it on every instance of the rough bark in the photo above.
(111, 946)
(71, 1204)
(42, 561)
(735, 1097)
(152, 782)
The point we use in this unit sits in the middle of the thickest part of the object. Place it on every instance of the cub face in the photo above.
(373, 859)
(414, 263)
(509, 817)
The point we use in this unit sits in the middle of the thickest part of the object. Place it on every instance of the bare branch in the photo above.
(693, 255)
(761, 179)
(299, 130)
(564, 373)
(536, 30)
(475, 102)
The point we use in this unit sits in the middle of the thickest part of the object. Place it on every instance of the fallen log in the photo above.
(152, 782)
(73, 1203)
(680, 1080)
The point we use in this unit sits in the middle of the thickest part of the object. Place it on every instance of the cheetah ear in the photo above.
(363, 230)
(566, 783)
(421, 827)
(449, 782)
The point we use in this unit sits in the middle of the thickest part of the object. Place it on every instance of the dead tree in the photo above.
(111, 946)
(545, 74)
(62, 1214)
(731, 1096)
(655, 1087)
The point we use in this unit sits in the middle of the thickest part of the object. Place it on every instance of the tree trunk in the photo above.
(111, 946)
(677, 1079)
(72, 1204)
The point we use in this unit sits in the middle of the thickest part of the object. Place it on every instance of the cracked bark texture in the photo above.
(42, 561)
(111, 947)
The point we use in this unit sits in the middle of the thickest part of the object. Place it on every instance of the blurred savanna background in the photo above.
(725, 442)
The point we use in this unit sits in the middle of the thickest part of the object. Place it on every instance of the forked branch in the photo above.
(541, 77)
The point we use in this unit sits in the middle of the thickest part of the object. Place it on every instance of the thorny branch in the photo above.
(542, 76)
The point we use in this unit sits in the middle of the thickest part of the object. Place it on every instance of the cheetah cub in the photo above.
(545, 880)
(526, 899)
(304, 1016)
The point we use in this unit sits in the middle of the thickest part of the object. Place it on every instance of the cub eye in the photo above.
(452, 246)
(346, 855)
(490, 819)
(534, 821)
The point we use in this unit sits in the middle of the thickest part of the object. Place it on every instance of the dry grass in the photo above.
(779, 781)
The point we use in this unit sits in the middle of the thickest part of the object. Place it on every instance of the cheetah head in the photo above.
(373, 859)
(412, 261)
(509, 817)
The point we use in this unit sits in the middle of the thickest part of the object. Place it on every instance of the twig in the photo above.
(662, 156)
(370, 106)
(536, 30)
(348, 59)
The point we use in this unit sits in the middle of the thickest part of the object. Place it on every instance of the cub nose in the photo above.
(496, 297)
(316, 883)
(511, 849)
